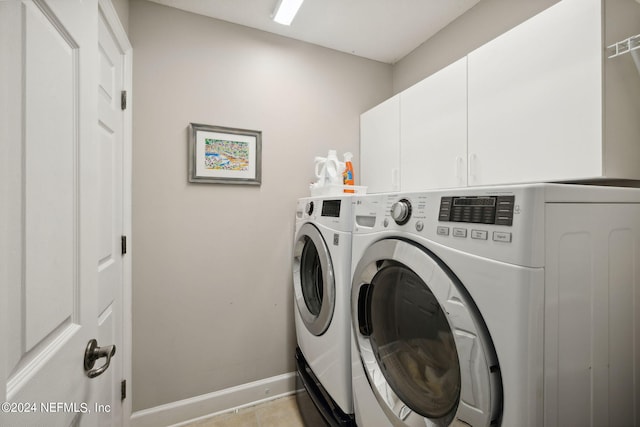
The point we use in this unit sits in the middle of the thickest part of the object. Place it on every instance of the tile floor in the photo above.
(281, 412)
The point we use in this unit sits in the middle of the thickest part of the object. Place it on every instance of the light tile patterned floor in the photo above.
(282, 412)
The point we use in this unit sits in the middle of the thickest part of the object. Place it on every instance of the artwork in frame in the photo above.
(223, 155)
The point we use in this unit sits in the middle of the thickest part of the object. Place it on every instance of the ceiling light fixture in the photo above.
(286, 10)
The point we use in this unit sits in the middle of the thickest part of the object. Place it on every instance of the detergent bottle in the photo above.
(328, 169)
(347, 175)
(333, 168)
(320, 170)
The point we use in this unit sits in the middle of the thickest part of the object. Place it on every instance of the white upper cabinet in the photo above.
(540, 97)
(433, 131)
(380, 147)
(542, 102)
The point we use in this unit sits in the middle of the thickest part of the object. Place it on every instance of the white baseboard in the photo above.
(177, 413)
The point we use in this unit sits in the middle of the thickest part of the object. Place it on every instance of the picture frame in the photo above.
(224, 155)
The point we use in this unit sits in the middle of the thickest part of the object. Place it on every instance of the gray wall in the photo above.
(212, 300)
(484, 22)
(212, 291)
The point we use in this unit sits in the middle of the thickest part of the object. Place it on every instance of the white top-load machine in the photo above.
(513, 305)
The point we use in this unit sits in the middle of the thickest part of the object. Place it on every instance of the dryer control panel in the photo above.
(497, 210)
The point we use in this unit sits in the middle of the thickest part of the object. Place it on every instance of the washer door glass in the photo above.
(413, 343)
(313, 279)
(426, 352)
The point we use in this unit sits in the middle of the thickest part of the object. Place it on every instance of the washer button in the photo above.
(443, 231)
(459, 232)
(479, 234)
(386, 222)
(501, 236)
(419, 226)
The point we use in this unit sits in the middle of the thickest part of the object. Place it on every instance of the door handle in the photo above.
(364, 310)
(93, 353)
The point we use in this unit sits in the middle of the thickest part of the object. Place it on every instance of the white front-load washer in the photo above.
(322, 282)
(512, 305)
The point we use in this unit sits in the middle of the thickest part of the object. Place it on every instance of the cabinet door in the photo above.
(380, 147)
(433, 130)
(535, 99)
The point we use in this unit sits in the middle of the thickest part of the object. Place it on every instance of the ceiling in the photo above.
(382, 30)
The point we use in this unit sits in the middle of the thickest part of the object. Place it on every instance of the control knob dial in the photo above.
(308, 209)
(401, 211)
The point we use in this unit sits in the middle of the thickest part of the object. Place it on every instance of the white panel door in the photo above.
(433, 130)
(535, 99)
(592, 313)
(380, 147)
(110, 175)
(49, 197)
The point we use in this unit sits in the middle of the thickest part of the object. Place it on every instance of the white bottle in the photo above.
(334, 168)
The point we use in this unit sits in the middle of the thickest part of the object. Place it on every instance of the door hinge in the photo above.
(123, 99)
(123, 389)
(123, 244)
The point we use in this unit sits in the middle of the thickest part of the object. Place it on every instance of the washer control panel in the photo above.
(473, 218)
(504, 223)
(333, 212)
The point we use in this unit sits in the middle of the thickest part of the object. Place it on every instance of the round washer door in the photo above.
(313, 279)
(424, 347)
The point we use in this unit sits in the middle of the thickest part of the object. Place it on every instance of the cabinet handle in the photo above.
(395, 179)
(473, 159)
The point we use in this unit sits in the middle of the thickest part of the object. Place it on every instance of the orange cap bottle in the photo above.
(347, 175)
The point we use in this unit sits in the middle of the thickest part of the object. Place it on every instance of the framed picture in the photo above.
(221, 155)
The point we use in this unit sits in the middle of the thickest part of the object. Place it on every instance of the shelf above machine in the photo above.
(630, 45)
